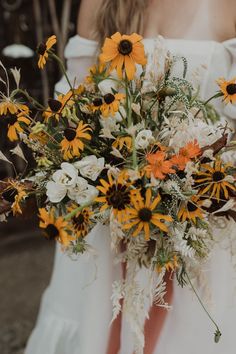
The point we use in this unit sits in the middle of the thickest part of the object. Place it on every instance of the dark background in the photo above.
(26, 258)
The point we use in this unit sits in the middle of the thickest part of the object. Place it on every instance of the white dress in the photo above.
(76, 308)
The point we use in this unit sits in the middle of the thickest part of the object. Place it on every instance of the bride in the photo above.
(76, 308)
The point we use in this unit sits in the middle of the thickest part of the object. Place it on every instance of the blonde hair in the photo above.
(124, 16)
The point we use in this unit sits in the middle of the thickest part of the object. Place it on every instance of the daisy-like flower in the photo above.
(54, 227)
(14, 193)
(96, 104)
(72, 143)
(111, 104)
(11, 106)
(186, 153)
(56, 106)
(94, 72)
(143, 214)
(80, 221)
(16, 123)
(123, 51)
(158, 166)
(213, 180)
(116, 195)
(123, 141)
(43, 49)
(191, 209)
(167, 261)
(228, 89)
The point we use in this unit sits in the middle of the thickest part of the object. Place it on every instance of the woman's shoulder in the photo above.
(87, 17)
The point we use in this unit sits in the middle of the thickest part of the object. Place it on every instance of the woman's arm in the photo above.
(86, 17)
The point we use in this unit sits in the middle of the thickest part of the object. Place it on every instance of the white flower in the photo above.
(82, 192)
(90, 166)
(136, 108)
(144, 139)
(63, 179)
(107, 85)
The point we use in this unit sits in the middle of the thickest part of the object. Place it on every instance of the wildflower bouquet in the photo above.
(134, 148)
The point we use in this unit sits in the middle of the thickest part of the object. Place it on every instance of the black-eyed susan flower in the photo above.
(166, 261)
(43, 49)
(228, 89)
(123, 141)
(123, 51)
(116, 195)
(111, 104)
(94, 72)
(15, 194)
(80, 221)
(72, 143)
(214, 180)
(56, 106)
(143, 214)
(16, 123)
(11, 106)
(191, 209)
(54, 227)
(96, 104)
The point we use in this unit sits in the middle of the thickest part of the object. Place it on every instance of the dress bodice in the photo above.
(207, 61)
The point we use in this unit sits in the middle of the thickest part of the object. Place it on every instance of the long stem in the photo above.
(29, 98)
(219, 94)
(62, 67)
(218, 332)
(129, 120)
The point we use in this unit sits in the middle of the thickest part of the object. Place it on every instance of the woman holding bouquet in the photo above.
(76, 308)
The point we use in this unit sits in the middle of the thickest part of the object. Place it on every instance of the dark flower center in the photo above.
(12, 119)
(118, 196)
(145, 214)
(109, 98)
(191, 207)
(125, 47)
(54, 105)
(218, 176)
(51, 232)
(69, 134)
(42, 49)
(231, 89)
(97, 102)
(78, 220)
(9, 195)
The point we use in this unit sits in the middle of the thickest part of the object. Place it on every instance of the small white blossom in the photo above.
(144, 139)
(63, 180)
(90, 166)
(82, 192)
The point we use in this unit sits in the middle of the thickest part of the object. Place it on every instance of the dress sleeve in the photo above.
(80, 54)
(229, 109)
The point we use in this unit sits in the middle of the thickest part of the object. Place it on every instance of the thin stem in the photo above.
(218, 94)
(76, 210)
(129, 121)
(218, 332)
(29, 98)
(62, 67)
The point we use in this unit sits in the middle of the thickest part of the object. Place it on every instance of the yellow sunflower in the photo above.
(14, 193)
(72, 143)
(16, 123)
(43, 49)
(56, 106)
(214, 181)
(94, 71)
(116, 196)
(191, 209)
(143, 214)
(54, 227)
(228, 89)
(80, 221)
(111, 104)
(123, 51)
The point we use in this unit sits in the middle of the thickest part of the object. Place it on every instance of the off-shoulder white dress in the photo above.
(76, 308)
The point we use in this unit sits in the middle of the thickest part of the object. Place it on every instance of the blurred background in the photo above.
(26, 258)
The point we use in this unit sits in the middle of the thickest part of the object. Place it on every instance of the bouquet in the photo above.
(133, 147)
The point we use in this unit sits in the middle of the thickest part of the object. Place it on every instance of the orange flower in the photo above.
(186, 153)
(43, 50)
(123, 51)
(159, 167)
